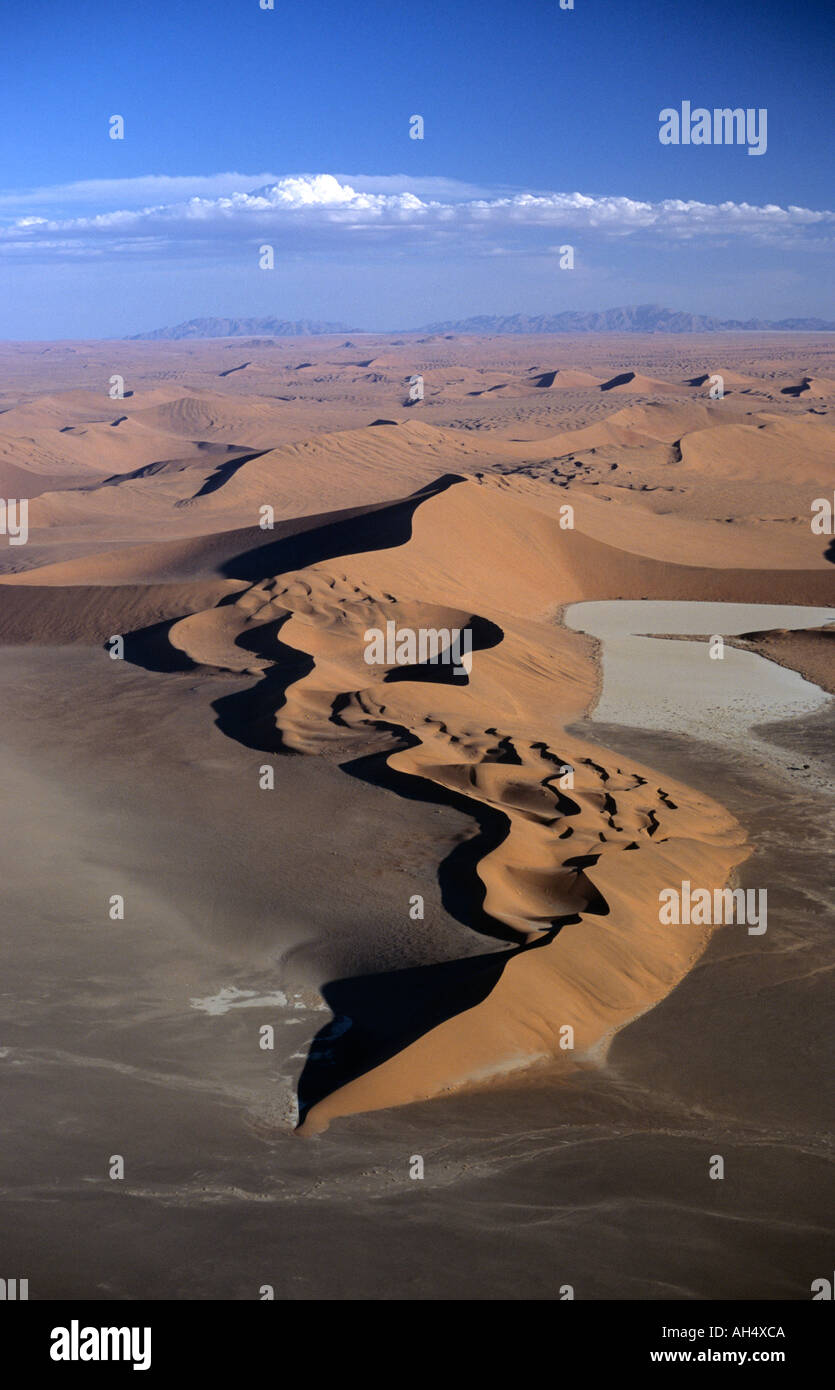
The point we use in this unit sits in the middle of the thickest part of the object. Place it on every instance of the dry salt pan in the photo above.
(707, 690)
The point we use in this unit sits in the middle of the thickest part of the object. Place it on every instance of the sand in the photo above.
(440, 1034)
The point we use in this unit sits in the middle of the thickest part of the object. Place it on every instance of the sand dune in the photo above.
(211, 417)
(737, 380)
(144, 521)
(566, 378)
(61, 615)
(556, 860)
(635, 383)
(809, 386)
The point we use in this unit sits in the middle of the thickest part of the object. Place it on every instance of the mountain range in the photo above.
(244, 328)
(633, 318)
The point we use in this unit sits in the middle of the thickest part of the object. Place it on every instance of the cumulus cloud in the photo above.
(305, 212)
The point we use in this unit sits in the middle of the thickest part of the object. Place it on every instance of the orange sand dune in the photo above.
(498, 739)
(670, 421)
(144, 518)
(771, 447)
(58, 616)
(211, 416)
(566, 378)
(809, 386)
(635, 383)
(197, 557)
(729, 378)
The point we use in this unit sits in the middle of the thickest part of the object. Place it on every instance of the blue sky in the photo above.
(291, 128)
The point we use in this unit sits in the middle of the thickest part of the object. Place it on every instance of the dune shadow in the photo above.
(249, 716)
(151, 648)
(462, 891)
(374, 528)
(377, 1016)
(225, 471)
(444, 670)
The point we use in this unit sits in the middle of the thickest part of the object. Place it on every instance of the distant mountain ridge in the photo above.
(244, 328)
(632, 318)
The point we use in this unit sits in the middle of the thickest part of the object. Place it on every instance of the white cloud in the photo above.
(309, 211)
(140, 191)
